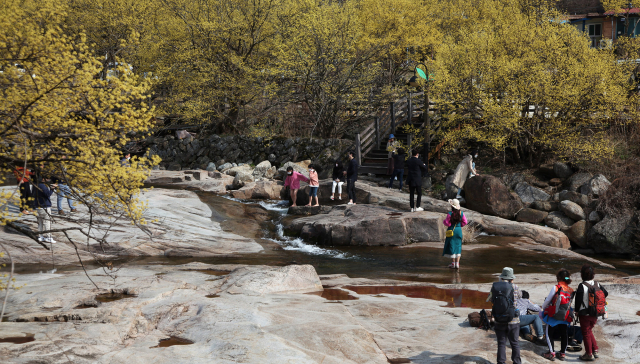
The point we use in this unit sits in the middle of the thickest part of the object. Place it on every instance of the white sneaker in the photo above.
(340, 197)
(50, 241)
(332, 198)
(419, 209)
(40, 239)
(412, 209)
(349, 203)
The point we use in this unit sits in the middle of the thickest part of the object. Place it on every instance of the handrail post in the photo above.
(409, 140)
(358, 150)
(393, 118)
(377, 132)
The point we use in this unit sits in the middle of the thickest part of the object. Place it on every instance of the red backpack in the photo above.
(597, 300)
(560, 305)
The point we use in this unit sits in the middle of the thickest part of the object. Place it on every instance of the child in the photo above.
(313, 185)
(293, 182)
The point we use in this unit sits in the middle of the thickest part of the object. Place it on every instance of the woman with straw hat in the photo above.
(453, 244)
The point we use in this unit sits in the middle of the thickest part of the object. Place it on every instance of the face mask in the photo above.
(311, 170)
(475, 156)
(336, 164)
(289, 173)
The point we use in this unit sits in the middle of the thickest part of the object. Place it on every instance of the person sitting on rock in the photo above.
(524, 305)
(293, 183)
(455, 220)
(465, 170)
(314, 184)
(338, 179)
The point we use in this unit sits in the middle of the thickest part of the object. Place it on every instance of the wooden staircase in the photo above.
(373, 140)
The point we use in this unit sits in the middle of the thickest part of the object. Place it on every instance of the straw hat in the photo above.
(455, 203)
(507, 274)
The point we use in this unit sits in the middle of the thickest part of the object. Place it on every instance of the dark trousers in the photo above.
(508, 332)
(351, 190)
(554, 331)
(586, 325)
(399, 173)
(412, 190)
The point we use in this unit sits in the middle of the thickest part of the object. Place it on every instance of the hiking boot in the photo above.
(550, 356)
(560, 356)
(60, 212)
(529, 337)
(586, 357)
(74, 210)
(595, 354)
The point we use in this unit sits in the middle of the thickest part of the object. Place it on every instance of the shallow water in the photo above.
(18, 339)
(335, 294)
(453, 297)
(165, 343)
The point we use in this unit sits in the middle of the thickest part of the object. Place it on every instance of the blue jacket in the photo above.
(42, 196)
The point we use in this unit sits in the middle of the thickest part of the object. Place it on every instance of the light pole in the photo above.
(413, 81)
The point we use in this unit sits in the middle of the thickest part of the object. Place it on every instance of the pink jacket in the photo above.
(463, 222)
(293, 181)
(313, 179)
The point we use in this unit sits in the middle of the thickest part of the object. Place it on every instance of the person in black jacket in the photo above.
(337, 176)
(352, 177)
(414, 179)
(42, 204)
(398, 167)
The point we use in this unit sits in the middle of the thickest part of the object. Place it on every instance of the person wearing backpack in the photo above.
(503, 297)
(556, 313)
(590, 302)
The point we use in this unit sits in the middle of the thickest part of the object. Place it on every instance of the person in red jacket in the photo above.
(293, 183)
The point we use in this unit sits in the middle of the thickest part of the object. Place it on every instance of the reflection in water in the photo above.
(165, 343)
(335, 294)
(18, 339)
(453, 297)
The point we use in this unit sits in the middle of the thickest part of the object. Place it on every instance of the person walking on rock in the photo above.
(352, 177)
(590, 303)
(42, 203)
(293, 183)
(414, 179)
(454, 221)
(314, 184)
(391, 148)
(338, 179)
(503, 296)
(556, 314)
(398, 167)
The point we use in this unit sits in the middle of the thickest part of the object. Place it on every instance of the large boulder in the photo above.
(489, 195)
(558, 220)
(617, 235)
(261, 280)
(241, 179)
(594, 217)
(576, 197)
(547, 171)
(531, 216)
(577, 233)
(369, 225)
(261, 190)
(596, 186)
(271, 172)
(282, 171)
(562, 170)
(261, 169)
(547, 206)
(572, 210)
(577, 180)
(211, 167)
(511, 180)
(529, 194)
(245, 168)
(450, 188)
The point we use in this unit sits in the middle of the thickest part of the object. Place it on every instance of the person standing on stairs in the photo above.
(398, 167)
(454, 221)
(352, 177)
(414, 179)
(391, 148)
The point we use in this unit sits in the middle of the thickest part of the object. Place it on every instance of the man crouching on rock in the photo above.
(293, 183)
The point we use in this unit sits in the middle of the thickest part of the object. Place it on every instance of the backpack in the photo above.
(597, 299)
(485, 320)
(474, 319)
(503, 309)
(560, 305)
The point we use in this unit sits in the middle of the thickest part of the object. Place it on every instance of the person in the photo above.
(125, 161)
(24, 185)
(314, 184)
(524, 306)
(509, 330)
(398, 169)
(454, 221)
(391, 148)
(63, 191)
(42, 203)
(337, 177)
(352, 177)
(416, 168)
(588, 295)
(556, 326)
(293, 183)
(465, 170)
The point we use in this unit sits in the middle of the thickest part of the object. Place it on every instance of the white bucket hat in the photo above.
(455, 203)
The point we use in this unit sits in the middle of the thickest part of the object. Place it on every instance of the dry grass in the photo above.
(470, 233)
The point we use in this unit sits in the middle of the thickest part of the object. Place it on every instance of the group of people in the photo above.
(339, 177)
(513, 312)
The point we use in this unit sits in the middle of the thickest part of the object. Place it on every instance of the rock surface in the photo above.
(580, 199)
(547, 206)
(531, 216)
(577, 233)
(614, 235)
(489, 195)
(261, 190)
(572, 210)
(529, 194)
(562, 170)
(175, 179)
(596, 186)
(558, 220)
(577, 180)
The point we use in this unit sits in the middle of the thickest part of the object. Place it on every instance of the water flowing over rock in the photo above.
(529, 194)
(489, 195)
(572, 210)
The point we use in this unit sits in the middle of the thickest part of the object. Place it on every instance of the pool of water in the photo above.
(263, 221)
